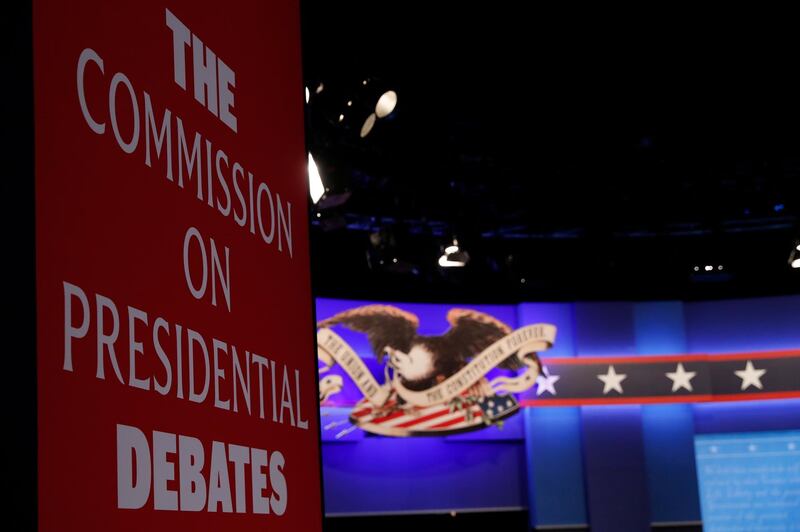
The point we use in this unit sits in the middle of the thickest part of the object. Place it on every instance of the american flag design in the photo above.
(468, 412)
(648, 379)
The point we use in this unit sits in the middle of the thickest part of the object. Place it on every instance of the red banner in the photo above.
(176, 382)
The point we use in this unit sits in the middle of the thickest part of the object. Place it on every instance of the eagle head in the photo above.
(428, 362)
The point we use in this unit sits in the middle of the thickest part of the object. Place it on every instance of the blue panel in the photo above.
(749, 481)
(555, 467)
(604, 329)
(400, 474)
(660, 328)
(559, 314)
(758, 324)
(615, 470)
(668, 432)
(748, 416)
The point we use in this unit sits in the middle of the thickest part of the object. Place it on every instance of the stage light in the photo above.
(708, 267)
(794, 256)
(320, 88)
(315, 186)
(444, 262)
(308, 94)
(453, 257)
(386, 104)
(367, 126)
(341, 117)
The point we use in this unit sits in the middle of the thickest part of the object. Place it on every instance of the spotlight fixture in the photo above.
(453, 257)
(386, 104)
(794, 256)
(363, 106)
(706, 270)
(709, 268)
(367, 126)
(711, 272)
(444, 262)
(308, 94)
(315, 186)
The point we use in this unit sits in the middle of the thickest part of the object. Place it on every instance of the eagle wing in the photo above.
(384, 325)
(473, 331)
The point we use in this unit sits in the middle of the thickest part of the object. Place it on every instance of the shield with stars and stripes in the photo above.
(394, 419)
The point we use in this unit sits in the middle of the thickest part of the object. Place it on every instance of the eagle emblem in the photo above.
(433, 384)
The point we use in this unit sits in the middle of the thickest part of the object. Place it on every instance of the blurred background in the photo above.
(592, 156)
(630, 176)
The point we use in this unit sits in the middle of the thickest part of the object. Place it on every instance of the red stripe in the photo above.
(413, 422)
(361, 412)
(615, 400)
(370, 409)
(665, 399)
(752, 396)
(703, 398)
(756, 356)
(393, 415)
(641, 359)
(455, 421)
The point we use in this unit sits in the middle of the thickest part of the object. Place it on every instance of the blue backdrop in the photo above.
(616, 467)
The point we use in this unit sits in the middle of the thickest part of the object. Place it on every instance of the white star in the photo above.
(545, 382)
(681, 378)
(751, 376)
(612, 380)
